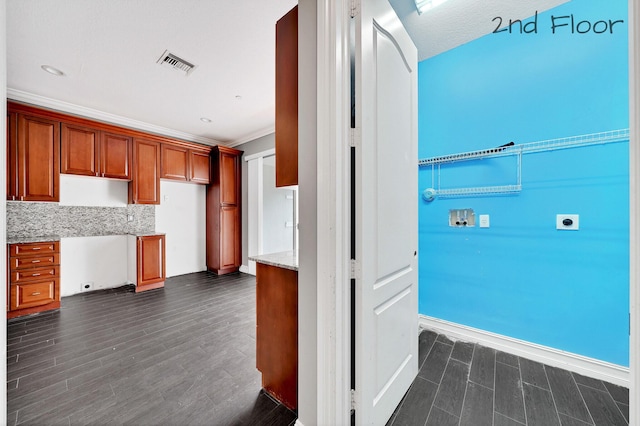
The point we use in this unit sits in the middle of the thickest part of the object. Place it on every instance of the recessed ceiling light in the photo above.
(424, 5)
(52, 70)
(238, 97)
(205, 120)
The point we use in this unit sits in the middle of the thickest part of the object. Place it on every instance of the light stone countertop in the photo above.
(44, 238)
(33, 239)
(284, 259)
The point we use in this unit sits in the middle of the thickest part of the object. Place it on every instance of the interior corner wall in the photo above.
(521, 277)
(255, 146)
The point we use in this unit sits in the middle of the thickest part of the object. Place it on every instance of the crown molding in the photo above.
(253, 136)
(67, 107)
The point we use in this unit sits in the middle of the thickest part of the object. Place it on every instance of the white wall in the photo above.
(101, 261)
(3, 196)
(91, 191)
(181, 215)
(277, 211)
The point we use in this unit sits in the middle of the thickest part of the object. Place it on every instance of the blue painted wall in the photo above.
(521, 277)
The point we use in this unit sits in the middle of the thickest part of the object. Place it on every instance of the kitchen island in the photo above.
(277, 325)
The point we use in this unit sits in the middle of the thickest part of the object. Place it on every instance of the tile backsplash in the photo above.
(29, 219)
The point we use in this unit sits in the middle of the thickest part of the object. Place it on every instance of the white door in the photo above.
(386, 224)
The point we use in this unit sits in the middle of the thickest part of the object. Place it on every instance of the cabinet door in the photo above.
(230, 254)
(79, 150)
(174, 162)
(33, 294)
(287, 99)
(38, 159)
(151, 258)
(229, 173)
(12, 156)
(200, 167)
(145, 185)
(115, 156)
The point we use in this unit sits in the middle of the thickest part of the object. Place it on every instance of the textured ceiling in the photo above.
(457, 22)
(109, 48)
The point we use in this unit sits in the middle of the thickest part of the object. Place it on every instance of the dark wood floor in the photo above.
(185, 355)
(470, 385)
(180, 355)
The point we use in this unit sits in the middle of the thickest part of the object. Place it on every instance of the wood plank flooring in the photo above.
(462, 384)
(180, 355)
(185, 355)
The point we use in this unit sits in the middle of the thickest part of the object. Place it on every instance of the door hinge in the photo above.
(354, 137)
(353, 401)
(355, 272)
(354, 8)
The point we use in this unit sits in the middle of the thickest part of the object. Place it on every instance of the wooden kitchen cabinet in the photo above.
(179, 163)
(33, 158)
(34, 278)
(115, 156)
(12, 156)
(287, 99)
(144, 187)
(175, 162)
(223, 226)
(277, 331)
(200, 170)
(80, 150)
(147, 268)
(91, 152)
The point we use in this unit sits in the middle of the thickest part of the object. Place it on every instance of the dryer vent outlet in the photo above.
(88, 286)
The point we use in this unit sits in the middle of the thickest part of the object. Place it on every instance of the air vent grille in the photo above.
(168, 59)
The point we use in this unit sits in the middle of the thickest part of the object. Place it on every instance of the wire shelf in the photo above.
(600, 138)
(435, 163)
(482, 190)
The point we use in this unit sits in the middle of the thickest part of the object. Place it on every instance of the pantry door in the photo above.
(386, 207)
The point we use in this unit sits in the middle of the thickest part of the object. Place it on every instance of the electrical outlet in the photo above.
(568, 222)
(484, 221)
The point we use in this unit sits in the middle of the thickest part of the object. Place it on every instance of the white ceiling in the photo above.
(108, 50)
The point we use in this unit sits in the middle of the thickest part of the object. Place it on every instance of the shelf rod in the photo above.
(600, 138)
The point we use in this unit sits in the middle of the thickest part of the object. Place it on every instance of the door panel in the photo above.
(39, 158)
(386, 341)
(115, 156)
(79, 150)
(228, 179)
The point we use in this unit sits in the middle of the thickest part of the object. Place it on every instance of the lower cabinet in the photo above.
(147, 261)
(34, 278)
(277, 332)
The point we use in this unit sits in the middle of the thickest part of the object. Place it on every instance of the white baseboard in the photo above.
(245, 269)
(589, 367)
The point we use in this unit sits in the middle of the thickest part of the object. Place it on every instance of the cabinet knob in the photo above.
(35, 261)
(35, 275)
(35, 294)
(35, 248)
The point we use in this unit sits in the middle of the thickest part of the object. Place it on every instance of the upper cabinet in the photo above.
(42, 143)
(33, 158)
(180, 163)
(115, 156)
(200, 167)
(287, 99)
(144, 187)
(91, 152)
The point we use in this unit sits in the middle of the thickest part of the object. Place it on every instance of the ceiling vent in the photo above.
(170, 60)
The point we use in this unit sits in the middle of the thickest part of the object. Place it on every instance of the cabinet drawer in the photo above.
(33, 261)
(35, 274)
(28, 249)
(33, 294)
